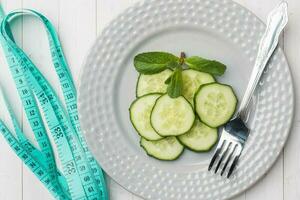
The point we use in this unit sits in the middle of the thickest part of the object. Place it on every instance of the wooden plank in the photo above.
(77, 31)
(10, 164)
(36, 46)
(291, 151)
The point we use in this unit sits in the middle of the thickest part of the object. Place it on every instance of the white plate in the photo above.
(216, 29)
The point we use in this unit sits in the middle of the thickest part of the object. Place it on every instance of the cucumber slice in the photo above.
(152, 83)
(168, 148)
(200, 138)
(192, 80)
(172, 116)
(140, 111)
(215, 104)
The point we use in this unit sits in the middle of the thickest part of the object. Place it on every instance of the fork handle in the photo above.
(277, 20)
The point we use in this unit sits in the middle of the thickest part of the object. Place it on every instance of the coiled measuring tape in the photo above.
(81, 177)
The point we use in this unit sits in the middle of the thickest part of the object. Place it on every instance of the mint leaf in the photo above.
(204, 65)
(173, 64)
(168, 80)
(153, 62)
(175, 85)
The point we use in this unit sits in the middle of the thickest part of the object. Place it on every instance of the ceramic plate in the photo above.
(215, 29)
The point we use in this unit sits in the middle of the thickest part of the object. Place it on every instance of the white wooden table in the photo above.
(78, 22)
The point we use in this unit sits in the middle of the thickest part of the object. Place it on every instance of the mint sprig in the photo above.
(155, 62)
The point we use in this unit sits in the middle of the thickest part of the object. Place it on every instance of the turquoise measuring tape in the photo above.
(81, 177)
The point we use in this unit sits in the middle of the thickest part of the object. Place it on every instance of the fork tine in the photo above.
(224, 153)
(228, 159)
(216, 154)
(234, 163)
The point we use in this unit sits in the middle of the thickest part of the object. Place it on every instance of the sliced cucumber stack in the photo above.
(154, 83)
(168, 148)
(192, 80)
(179, 103)
(200, 138)
(172, 116)
(215, 104)
(140, 111)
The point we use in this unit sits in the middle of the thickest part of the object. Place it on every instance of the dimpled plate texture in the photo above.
(218, 29)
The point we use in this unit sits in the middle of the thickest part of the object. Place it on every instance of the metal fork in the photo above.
(235, 133)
